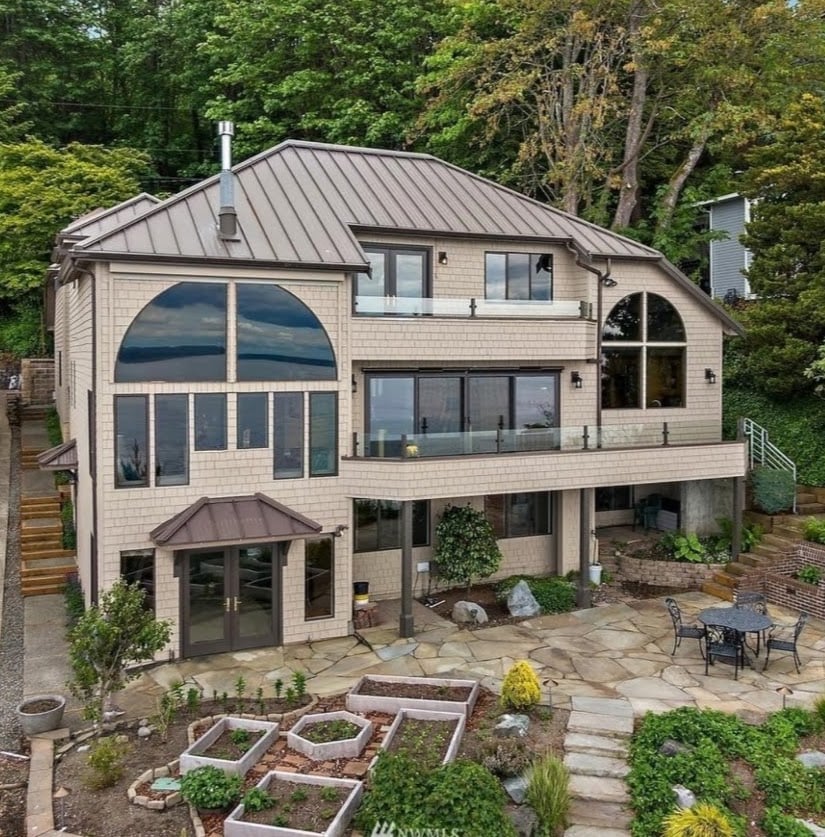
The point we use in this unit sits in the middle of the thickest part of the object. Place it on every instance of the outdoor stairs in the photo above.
(595, 754)
(44, 564)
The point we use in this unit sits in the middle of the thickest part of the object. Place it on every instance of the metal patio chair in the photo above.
(724, 644)
(783, 638)
(680, 629)
(759, 604)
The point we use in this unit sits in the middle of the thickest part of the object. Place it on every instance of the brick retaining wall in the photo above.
(678, 574)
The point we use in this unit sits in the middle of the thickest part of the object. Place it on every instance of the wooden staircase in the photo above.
(44, 564)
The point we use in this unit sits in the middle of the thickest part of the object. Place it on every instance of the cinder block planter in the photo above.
(406, 714)
(346, 748)
(193, 756)
(235, 826)
(679, 574)
(438, 699)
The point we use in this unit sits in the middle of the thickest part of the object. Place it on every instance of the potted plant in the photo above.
(41, 713)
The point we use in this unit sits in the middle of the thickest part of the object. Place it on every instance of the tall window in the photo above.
(518, 276)
(643, 354)
(210, 421)
(319, 579)
(520, 515)
(253, 415)
(137, 566)
(394, 272)
(378, 524)
(171, 439)
(131, 441)
(323, 434)
(614, 498)
(288, 435)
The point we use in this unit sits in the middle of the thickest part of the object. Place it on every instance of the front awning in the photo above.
(61, 457)
(217, 521)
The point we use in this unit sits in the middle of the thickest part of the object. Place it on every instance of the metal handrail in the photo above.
(761, 451)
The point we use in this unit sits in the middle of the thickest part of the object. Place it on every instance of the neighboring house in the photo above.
(728, 259)
(274, 391)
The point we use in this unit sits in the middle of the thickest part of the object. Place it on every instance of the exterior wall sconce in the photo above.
(442, 257)
(576, 380)
(710, 376)
(608, 281)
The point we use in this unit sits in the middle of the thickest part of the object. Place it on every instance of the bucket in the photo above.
(361, 593)
(596, 574)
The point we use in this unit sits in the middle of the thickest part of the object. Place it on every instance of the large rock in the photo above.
(516, 787)
(685, 798)
(521, 601)
(469, 612)
(512, 726)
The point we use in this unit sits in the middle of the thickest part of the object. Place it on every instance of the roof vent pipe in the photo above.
(227, 217)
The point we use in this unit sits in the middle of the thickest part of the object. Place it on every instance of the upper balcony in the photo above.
(468, 308)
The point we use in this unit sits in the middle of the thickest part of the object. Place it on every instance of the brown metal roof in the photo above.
(253, 518)
(62, 457)
(101, 220)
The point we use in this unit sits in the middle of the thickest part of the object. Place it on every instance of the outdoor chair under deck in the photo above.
(784, 638)
(680, 629)
(724, 644)
(759, 604)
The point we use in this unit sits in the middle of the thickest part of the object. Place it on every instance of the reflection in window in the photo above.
(279, 338)
(137, 566)
(323, 434)
(318, 579)
(620, 378)
(253, 413)
(179, 336)
(210, 421)
(614, 498)
(519, 515)
(665, 377)
(664, 325)
(378, 524)
(517, 276)
(288, 435)
(131, 434)
(394, 272)
(171, 439)
(625, 320)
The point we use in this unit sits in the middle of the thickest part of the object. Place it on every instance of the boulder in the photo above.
(469, 613)
(512, 726)
(673, 748)
(516, 787)
(685, 798)
(814, 758)
(522, 602)
(524, 820)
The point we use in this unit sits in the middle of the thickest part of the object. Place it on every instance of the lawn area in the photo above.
(750, 774)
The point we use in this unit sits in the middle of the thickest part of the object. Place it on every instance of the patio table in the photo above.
(739, 619)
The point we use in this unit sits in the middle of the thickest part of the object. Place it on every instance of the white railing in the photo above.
(403, 306)
(761, 451)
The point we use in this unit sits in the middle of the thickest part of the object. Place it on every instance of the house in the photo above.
(728, 258)
(276, 380)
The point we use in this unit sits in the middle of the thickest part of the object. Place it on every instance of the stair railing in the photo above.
(761, 451)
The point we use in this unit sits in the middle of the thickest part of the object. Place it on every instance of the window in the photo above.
(137, 566)
(318, 579)
(171, 439)
(280, 338)
(643, 354)
(378, 524)
(394, 272)
(131, 446)
(614, 498)
(179, 336)
(323, 434)
(519, 515)
(210, 421)
(517, 276)
(288, 435)
(253, 417)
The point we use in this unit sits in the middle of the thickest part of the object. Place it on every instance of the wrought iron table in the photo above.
(739, 619)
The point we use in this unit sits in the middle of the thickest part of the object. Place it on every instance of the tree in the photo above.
(466, 545)
(106, 639)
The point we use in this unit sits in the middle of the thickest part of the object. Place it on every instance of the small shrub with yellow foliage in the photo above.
(702, 820)
(521, 689)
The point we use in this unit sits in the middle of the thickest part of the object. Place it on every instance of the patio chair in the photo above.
(757, 603)
(724, 644)
(680, 629)
(783, 638)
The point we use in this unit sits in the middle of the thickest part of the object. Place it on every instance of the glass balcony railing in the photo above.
(400, 306)
(384, 445)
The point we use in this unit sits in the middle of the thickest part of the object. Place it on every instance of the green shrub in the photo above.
(396, 787)
(257, 799)
(69, 536)
(106, 762)
(788, 784)
(773, 490)
(53, 430)
(702, 820)
(548, 794)
(809, 574)
(466, 546)
(521, 688)
(679, 546)
(777, 824)
(553, 593)
(75, 603)
(209, 787)
(750, 535)
(814, 530)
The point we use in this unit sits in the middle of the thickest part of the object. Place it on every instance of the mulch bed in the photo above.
(424, 691)
(426, 742)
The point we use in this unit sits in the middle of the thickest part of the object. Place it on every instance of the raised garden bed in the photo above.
(331, 735)
(391, 693)
(203, 751)
(430, 738)
(303, 805)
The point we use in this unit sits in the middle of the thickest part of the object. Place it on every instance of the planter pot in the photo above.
(357, 701)
(234, 826)
(596, 574)
(403, 715)
(347, 748)
(41, 713)
(194, 755)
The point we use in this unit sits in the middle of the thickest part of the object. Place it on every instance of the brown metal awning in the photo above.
(252, 518)
(61, 457)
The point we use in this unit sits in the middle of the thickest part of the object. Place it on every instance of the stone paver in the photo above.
(593, 765)
(598, 788)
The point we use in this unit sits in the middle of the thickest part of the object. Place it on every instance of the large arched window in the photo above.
(279, 338)
(179, 336)
(643, 354)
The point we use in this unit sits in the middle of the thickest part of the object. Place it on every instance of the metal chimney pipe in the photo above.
(227, 217)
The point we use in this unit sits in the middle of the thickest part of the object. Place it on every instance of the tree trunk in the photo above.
(670, 198)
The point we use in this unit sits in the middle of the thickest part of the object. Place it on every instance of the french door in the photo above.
(231, 599)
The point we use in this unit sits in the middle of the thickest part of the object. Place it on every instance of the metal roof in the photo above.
(252, 518)
(101, 220)
(62, 457)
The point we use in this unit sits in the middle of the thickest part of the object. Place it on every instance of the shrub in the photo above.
(814, 530)
(809, 574)
(69, 535)
(396, 787)
(750, 535)
(75, 603)
(257, 799)
(777, 824)
(554, 593)
(693, 549)
(106, 762)
(702, 820)
(548, 794)
(466, 545)
(209, 787)
(521, 688)
(773, 491)
(505, 756)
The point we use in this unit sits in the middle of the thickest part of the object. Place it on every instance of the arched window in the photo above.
(643, 354)
(279, 338)
(179, 336)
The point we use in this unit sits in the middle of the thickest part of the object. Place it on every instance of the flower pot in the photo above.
(41, 713)
(596, 574)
